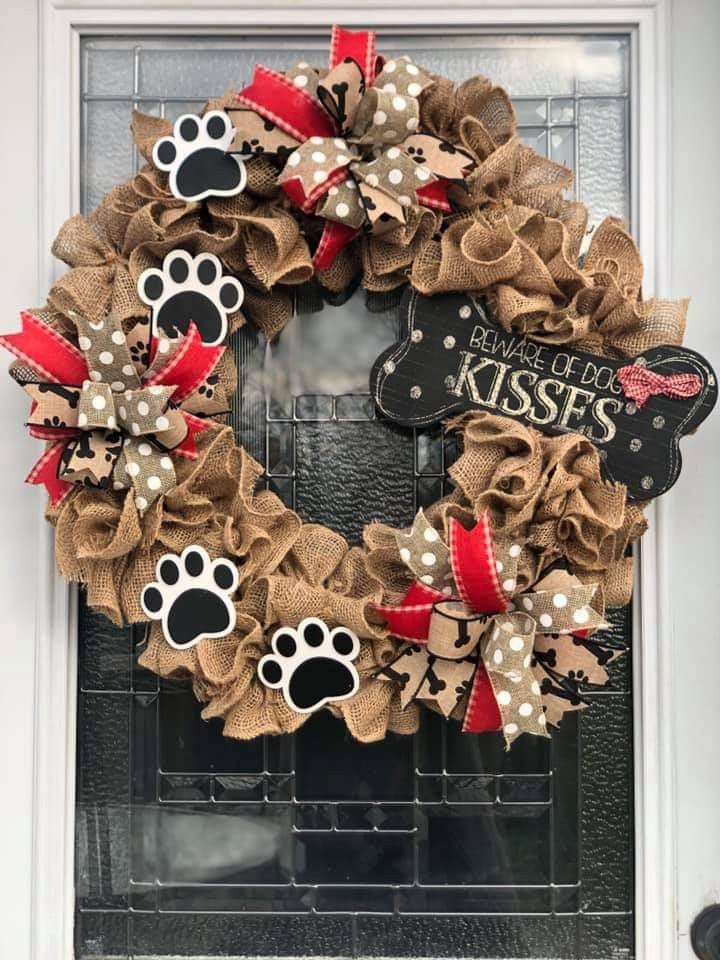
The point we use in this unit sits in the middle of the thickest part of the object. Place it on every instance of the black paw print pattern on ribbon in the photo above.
(190, 289)
(196, 160)
(192, 597)
(312, 666)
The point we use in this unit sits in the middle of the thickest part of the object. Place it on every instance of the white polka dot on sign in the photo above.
(399, 103)
(582, 615)
(135, 429)
(527, 603)
(404, 200)
(390, 67)
(163, 346)
(97, 326)
(411, 123)
(508, 585)
(393, 153)
(416, 336)
(499, 566)
(132, 468)
(414, 89)
(300, 80)
(162, 423)
(542, 719)
(84, 343)
(340, 144)
(389, 88)
(316, 140)
(95, 375)
(395, 176)
(154, 483)
(98, 402)
(320, 176)
(412, 69)
(156, 391)
(431, 535)
(117, 385)
(517, 643)
(404, 554)
(111, 422)
(141, 503)
(422, 174)
(82, 419)
(428, 580)
(143, 408)
(166, 463)
(510, 728)
(464, 312)
(379, 118)
(145, 449)
(106, 358)
(342, 210)
(390, 135)
(545, 620)
(535, 687)
(515, 550)
(498, 657)
(294, 159)
(429, 559)
(118, 337)
(123, 412)
(449, 342)
(560, 600)
(525, 709)
(371, 180)
(504, 698)
(318, 156)
(128, 369)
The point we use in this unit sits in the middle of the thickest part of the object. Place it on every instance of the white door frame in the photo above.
(62, 24)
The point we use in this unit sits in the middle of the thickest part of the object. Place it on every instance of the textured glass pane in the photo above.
(439, 845)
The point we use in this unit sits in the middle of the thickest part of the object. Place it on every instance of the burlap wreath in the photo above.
(512, 237)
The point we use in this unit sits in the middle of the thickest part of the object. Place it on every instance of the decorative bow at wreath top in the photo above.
(470, 634)
(110, 419)
(355, 154)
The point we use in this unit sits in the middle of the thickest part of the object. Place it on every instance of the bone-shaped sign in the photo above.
(454, 358)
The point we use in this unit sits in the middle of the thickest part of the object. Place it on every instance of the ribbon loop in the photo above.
(640, 384)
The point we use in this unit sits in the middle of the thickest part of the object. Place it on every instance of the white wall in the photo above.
(695, 505)
(19, 504)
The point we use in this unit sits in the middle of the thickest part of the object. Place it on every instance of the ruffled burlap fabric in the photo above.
(546, 491)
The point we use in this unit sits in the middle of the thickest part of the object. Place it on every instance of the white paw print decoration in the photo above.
(195, 157)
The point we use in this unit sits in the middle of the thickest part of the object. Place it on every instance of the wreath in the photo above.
(491, 608)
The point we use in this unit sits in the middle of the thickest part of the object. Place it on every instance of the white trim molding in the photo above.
(63, 23)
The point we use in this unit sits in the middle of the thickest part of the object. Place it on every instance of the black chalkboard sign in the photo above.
(454, 358)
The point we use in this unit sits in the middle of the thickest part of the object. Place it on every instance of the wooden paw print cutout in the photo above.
(453, 358)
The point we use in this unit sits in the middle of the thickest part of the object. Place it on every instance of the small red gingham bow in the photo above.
(639, 384)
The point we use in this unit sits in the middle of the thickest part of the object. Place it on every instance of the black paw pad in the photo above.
(186, 289)
(191, 597)
(312, 665)
(196, 159)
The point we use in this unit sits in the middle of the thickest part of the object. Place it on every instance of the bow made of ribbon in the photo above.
(640, 384)
(470, 636)
(106, 425)
(354, 153)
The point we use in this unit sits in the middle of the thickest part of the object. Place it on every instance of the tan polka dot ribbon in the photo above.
(119, 420)
(351, 139)
(471, 636)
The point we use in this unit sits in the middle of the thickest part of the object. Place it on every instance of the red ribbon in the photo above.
(640, 384)
(46, 472)
(472, 557)
(188, 367)
(48, 353)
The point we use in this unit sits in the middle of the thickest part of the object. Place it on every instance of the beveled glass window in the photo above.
(438, 845)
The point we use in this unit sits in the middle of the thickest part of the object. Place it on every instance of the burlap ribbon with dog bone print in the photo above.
(109, 424)
(479, 643)
(354, 152)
